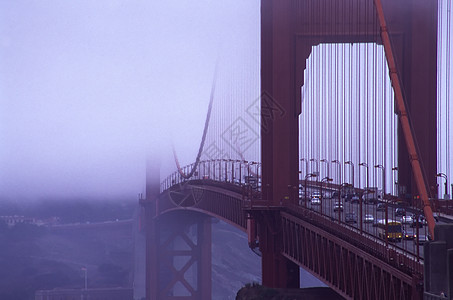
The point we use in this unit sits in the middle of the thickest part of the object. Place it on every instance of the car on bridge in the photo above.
(251, 181)
(368, 218)
(348, 197)
(407, 219)
(380, 207)
(376, 222)
(337, 207)
(315, 201)
(316, 195)
(350, 218)
(315, 198)
(422, 238)
(409, 234)
(420, 222)
(399, 212)
(302, 196)
(355, 199)
(371, 200)
(335, 194)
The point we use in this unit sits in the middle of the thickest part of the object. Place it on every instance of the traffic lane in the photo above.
(327, 207)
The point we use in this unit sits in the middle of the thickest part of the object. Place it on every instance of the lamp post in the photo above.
(362, 164)
(220, 169)
(352, 165)
(327, 165)
(341, 187)
(396, 181)
(226, 168)
(336, 161)
(252, 176)
(240, 171)
(317, 167)
(305, 186)
(246, 171)
(232, 170)
(387, 209)
(325, 179)
(443, 175)
(258, 176)
(306, 165)
(383, 179)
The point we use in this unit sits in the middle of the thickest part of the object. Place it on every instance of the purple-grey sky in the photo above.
(89, 88)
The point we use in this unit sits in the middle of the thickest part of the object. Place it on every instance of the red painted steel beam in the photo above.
(404, 120)
(351, 271)
(277, 270)
(174, 244)
(279, 105)
(151, 268)
(310, 23)
(205, 258)
(280, 111)
(151, 233)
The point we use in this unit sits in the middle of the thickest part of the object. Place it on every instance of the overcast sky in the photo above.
(89, 88)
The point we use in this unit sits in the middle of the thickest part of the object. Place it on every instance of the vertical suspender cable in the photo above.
(332, 137)
(336, 125)
(343, 100)
(448, 86)
(373, 85)
(312, 87)
(321, 90)
(365, 97)
(350, 88)
(301, 116)
(442, 132)
(323, 106)
(338, 155)
(318, 105)
(439, 86)
(384, 100)
(317, 102)
(358, 95)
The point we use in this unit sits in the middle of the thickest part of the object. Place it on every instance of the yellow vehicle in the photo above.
(394, 230)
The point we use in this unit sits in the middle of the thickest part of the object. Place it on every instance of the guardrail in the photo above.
(238, 172)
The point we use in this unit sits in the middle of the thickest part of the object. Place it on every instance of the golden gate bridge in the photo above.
(359, 86)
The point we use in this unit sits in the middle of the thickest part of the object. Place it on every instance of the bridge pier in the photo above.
(277, 270)
(178, 256)
(438, 264)
(178, 248)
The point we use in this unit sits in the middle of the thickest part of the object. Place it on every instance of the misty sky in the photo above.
(88, 89)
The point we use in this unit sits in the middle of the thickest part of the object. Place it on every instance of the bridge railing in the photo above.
(245, 178)
(443, 206)
(239, 172)
(388, 252)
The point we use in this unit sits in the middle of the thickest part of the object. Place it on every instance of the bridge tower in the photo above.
(178, 247)
(289, 30)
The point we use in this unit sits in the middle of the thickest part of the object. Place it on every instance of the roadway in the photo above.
(412, 245)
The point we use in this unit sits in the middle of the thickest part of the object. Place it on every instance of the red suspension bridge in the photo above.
(352, 84)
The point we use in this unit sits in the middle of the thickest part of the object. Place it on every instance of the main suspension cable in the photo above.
(203, 139)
